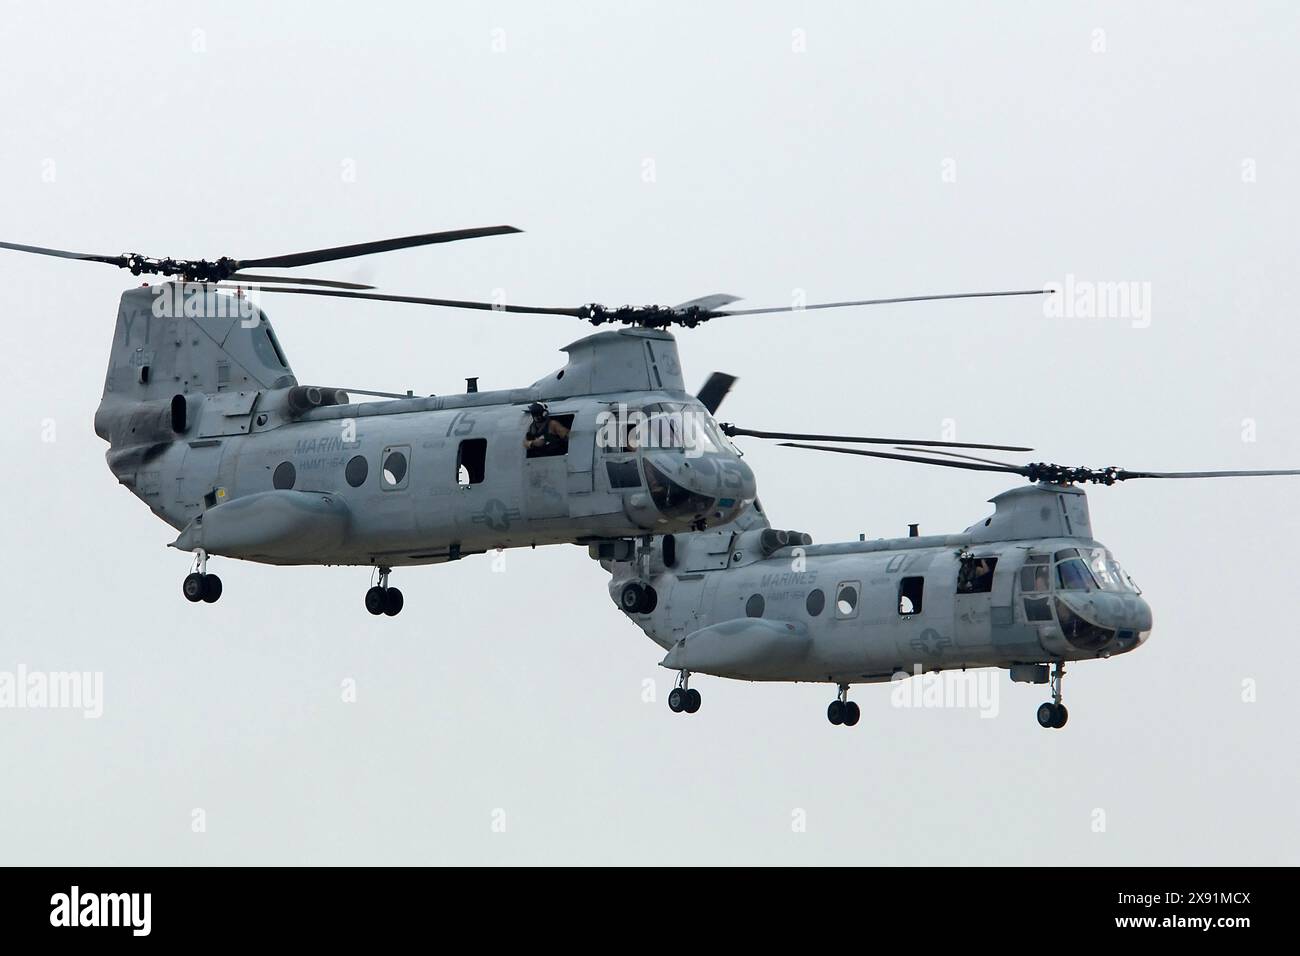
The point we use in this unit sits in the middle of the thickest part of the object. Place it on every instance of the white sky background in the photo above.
(774, 170)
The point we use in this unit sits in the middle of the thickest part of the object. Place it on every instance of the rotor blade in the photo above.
(332, 283)
(707, 303)
(366, 248)
(953, 454)
(420, 300)
(715, 390)
(969, 466)
(908, 298)
(733, 430)
(1123, 475)
(65, 254)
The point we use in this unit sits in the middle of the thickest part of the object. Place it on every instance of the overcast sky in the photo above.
(655, 153)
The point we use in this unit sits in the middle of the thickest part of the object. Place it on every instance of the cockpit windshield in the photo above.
(1089, 569)
(671, 426)
(1072, 575)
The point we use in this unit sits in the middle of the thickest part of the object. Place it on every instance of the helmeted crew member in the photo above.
(544, 431)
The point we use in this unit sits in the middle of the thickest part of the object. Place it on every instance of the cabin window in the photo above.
(910, 592)
(623, 474)
(395, 470)
(816, 602)
(755, 605)
(471, 462)
(846, 600)
(285, 475)
(550, 439)
(975, 575)
(357, 471)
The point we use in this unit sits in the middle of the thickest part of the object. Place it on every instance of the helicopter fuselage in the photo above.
(207, 424)
(754, 604)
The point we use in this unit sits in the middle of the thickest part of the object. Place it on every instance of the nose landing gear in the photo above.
(198, 584)
(381, 599)
(637, 598)
(682, 698)
(1053, 715)
(842, 710)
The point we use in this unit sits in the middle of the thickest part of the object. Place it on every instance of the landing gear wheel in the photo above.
(631, 598)
(211, 588)
(1047, 715)
(1062, 715)
(393, 602)
(852, 713)
(637, 598)
(692, 701)
(649, 600)
(192, 587)
(375, 600)
(835, 712)
(677, 699)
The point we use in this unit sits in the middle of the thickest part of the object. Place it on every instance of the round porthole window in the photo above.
(394, 468)
(284, 476)
(755, 605)
(356, 471)
(816, 602)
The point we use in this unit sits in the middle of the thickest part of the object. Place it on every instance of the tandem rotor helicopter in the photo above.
(209, 426)
(1027, 589)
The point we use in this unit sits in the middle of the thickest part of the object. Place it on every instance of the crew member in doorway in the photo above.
(545, 435)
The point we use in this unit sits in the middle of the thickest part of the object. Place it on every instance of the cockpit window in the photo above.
(1106, 570)
(1123, 577)
(1072, 575)
(674, 426)
(1036, 577)
(672, 499)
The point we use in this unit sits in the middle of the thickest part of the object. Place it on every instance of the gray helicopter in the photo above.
(1026, 589)
(209, 426)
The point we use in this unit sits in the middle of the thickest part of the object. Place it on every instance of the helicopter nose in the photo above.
(725, 478)
(1106, 622)
(714, 486)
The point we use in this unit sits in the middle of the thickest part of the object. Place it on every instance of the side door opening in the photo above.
(471, 462)
(911, 592)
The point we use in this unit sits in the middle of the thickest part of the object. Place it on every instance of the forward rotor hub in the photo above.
(644, 316)
(1065, 475)
(197, 270)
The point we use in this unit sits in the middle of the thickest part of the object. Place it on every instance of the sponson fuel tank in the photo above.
(278, 527)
